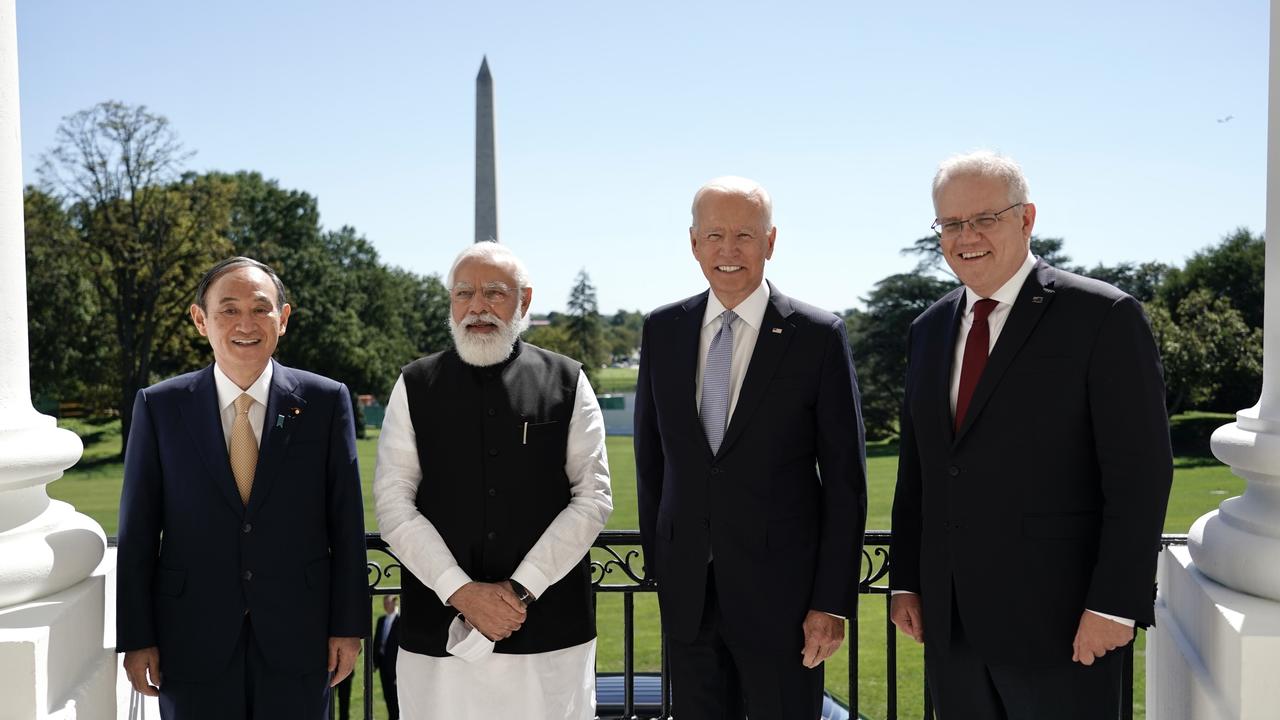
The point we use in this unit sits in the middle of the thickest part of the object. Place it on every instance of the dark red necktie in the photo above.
(975, 356)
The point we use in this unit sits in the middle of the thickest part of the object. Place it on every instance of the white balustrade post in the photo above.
(1214, 649)
(53, 659)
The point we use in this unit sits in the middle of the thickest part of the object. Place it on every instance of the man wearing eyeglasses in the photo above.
(1034, 468)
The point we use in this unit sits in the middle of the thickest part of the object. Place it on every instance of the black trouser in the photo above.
(389, 694)
(717, 677)
(246, 689)
(964, 687)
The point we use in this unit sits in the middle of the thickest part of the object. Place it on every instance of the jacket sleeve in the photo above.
(842, 466)
(648, 450)
(907, 526)
(349, 591)
(141, 518)
(1131, 443)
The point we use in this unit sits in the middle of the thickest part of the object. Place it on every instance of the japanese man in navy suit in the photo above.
(241, 587)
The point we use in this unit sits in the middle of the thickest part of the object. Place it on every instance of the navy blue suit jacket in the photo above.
(193, 558)
(782, 504)
(1051, 496)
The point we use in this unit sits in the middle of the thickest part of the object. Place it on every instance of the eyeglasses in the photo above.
(978, 223)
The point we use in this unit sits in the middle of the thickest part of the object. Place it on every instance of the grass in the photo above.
(616, 380)
(1200, 484)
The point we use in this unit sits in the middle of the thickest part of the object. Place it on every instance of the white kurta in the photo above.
(553, 685)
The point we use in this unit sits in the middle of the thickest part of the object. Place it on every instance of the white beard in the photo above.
(485, 349)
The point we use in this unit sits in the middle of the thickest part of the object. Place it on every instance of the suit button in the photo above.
(953, 471)
(492, 492)
(248, 575)
(493, 535)
(716, 471)
(493, 452)
(247, 527)
(492, 412)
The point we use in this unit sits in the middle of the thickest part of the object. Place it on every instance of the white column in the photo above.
(1214, 649)
(53, 659)
(1239, 543)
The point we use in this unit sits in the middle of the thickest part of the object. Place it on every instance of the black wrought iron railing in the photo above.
(617, 567)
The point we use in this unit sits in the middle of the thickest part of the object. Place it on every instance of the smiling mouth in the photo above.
(729, 268)
(245, 343)
(974, 255)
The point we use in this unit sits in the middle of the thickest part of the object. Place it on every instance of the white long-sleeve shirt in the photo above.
(421, 549)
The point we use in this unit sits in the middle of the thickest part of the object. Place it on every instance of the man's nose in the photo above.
(478, 304)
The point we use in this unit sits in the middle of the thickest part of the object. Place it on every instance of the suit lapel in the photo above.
(203, 421)
(770, 347)
(687, 336)
(284, 407)
(947, 359)
(1034, 297)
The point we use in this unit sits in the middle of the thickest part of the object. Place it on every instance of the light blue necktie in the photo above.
(715, 382)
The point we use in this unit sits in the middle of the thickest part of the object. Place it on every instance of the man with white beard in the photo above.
(491, 484)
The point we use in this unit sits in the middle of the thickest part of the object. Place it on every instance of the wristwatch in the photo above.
(522, 593)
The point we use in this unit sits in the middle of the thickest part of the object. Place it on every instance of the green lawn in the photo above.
(616, 380)
(1200, 483)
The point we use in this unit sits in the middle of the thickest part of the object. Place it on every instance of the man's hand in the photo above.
(137, 665)
(823, 634)
(491, 608)
(1096, 636)
(906, 611)
(343, 652)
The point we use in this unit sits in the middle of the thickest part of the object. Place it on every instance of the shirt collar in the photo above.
(1008, 292)
(228, 391)
(751, 310)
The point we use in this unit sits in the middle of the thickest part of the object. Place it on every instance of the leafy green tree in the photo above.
(1212, 358)
(584, 327)
(145, 230)
(878, 340)
(1141, 280)
(1232, 269)
(72, 353)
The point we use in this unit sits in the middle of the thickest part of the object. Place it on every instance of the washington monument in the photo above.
(486, 159)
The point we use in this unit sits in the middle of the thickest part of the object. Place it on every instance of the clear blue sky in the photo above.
(610, 115)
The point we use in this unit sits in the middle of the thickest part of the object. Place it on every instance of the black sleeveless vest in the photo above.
(491, 443)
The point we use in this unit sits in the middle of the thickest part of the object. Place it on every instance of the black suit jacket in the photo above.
(1051, 496)
(193, 558)
(384, 654)
(783, 503)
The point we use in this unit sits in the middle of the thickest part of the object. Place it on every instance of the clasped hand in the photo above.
(491, 608)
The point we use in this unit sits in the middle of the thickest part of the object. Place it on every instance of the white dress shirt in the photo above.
(746, 328)
(228, 391)
(539, 685)
(1005, 297)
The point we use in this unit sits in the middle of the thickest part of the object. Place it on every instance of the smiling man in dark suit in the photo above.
(750, 474)
(1034, 468)
(241, 587)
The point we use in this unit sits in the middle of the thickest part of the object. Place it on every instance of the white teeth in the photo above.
(728, 268)
(245, 342)
(972, 255)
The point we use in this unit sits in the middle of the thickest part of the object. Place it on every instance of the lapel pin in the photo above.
(297, 412)
(1037, 299)
(777, 331)
(279, 421)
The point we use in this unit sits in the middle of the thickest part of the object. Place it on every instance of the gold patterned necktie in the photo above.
(243, 449)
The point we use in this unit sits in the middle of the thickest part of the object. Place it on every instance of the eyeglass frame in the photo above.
(937, 226)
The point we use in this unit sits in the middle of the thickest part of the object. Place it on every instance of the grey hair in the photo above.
(495, 253)
(734, 185)
(987, 164)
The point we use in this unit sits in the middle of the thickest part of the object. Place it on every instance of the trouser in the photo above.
(716, 677)
(246, 689)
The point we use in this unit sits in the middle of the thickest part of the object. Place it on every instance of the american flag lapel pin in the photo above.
(1037, 299)
(776, 331)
